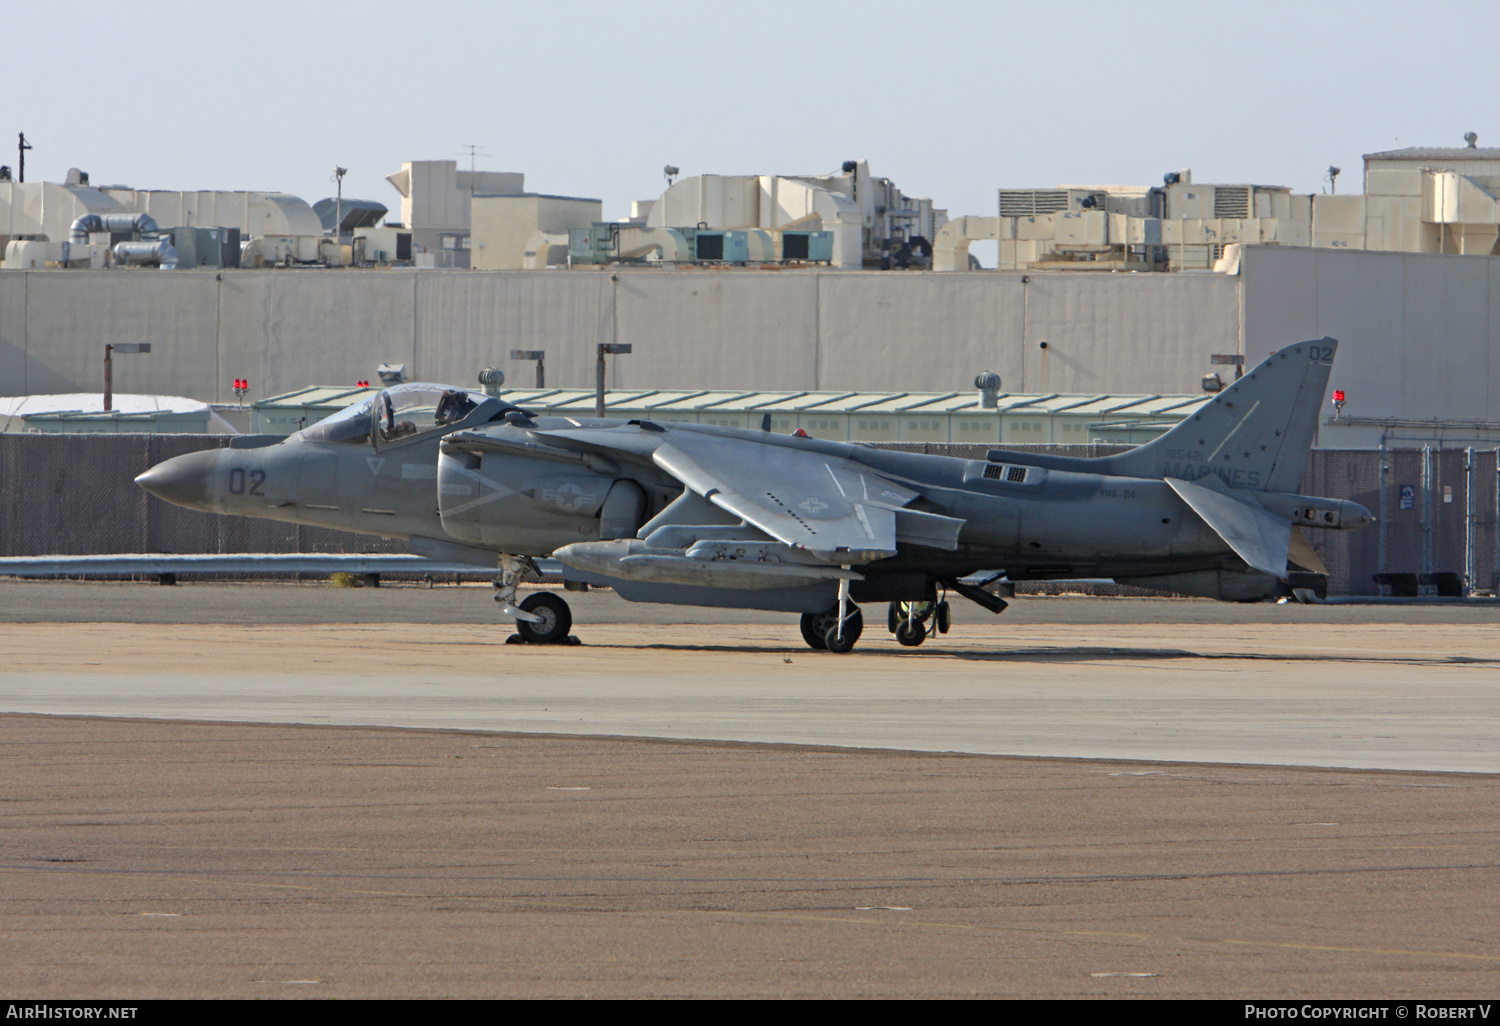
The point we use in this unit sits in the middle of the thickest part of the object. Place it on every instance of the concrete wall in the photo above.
(692, 329)
(1419, 333)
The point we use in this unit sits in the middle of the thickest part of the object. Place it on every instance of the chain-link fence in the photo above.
(76, 495)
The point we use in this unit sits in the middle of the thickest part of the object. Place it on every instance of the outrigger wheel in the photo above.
(556, 619)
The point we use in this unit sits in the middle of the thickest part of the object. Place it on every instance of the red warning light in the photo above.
(1338, 395)
(362, 384)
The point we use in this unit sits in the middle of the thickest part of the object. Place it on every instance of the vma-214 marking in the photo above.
(689, 514)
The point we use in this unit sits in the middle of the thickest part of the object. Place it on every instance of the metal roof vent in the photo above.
(1472, 138)
(492, 378)
(391, 373)
(988, 384)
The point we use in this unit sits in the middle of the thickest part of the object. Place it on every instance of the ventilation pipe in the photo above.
(988, 384)
(139, 224)
(148, 251)
(153, 247)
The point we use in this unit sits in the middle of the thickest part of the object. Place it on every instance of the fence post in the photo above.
(1383, 516)
(1469, 520)
(1426, 509)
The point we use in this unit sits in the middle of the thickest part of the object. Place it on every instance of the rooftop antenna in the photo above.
(475, 152)
(1333, 178)
(21, 149)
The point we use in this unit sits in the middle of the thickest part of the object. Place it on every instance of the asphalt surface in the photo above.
(152, 852)
(157, 859)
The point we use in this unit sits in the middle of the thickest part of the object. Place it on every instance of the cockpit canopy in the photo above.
(351, 424)
(399, 413)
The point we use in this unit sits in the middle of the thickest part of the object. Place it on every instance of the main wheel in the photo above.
(556, 619)
(815, 625)
(910, 634)
(842, 640)
(942, 618)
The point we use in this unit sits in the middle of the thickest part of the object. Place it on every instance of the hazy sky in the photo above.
(949, 99)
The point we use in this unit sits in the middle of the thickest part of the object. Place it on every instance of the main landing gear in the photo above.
(914, 622)
(541, 618)
(837, 628)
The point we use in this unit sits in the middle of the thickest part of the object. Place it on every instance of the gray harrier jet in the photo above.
(689, 514)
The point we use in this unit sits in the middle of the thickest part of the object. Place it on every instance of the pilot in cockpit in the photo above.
(452, 407)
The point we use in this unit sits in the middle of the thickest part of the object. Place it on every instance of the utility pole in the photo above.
(21, 149)
(338, 209)
(109, 367)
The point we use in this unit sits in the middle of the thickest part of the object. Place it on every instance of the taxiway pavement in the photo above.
(297, 791)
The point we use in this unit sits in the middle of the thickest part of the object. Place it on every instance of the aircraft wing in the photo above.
(1258, 536)
(838, 510)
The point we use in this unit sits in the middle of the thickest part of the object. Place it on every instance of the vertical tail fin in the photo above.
(1254, 435)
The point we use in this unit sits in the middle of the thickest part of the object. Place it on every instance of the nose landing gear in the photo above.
(542, 618)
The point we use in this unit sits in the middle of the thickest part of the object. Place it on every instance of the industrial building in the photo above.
(1415, 200)
(1402, 274)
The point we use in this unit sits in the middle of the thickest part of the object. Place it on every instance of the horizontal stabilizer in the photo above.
(1259, 537)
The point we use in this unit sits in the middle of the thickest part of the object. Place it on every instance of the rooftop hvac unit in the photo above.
(813, 247)
(1231, 201)
(722, 247)
(1031, 202)
(206, 247)
(594, 245)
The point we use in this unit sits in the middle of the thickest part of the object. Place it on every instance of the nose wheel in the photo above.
(542, 618)
(553, 620)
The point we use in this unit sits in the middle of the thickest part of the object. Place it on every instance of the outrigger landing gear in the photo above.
(846, 629)
(542, 618)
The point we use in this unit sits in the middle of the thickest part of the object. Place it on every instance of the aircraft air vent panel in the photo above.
(999, 472)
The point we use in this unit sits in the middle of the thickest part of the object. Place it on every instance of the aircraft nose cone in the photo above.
(183, 480)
